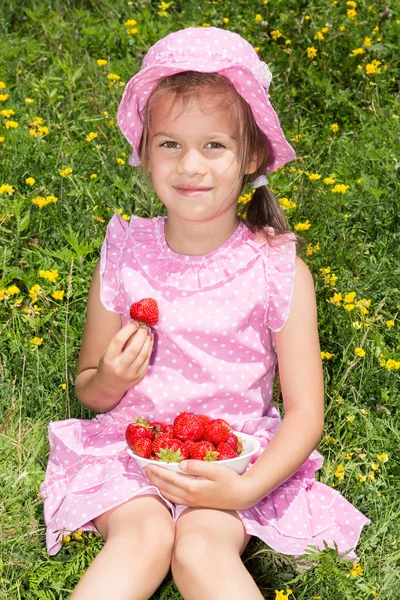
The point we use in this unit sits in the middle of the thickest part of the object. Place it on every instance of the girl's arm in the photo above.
(301, 379)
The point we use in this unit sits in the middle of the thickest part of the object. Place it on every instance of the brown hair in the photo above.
(263, 209)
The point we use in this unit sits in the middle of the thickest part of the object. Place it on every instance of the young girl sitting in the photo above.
(235, 300)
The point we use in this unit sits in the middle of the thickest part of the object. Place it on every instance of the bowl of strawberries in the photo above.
(191, 436)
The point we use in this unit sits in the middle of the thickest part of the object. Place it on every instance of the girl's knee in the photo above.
(192, 548)
(143, 521)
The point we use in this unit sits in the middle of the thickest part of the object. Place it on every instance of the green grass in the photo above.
(49, 55)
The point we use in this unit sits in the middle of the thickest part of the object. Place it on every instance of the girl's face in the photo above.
(195, 149)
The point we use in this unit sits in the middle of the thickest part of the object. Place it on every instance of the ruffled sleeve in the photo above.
(110, 258)
(280, 267)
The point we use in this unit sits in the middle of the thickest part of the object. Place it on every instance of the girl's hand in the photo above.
(124, 362)
(217, 486)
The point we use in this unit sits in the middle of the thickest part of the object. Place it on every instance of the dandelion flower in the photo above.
(390, 323)
(65, 172)
(101, 62)
(36, 341)
(258, 18)
(91, 136)
(334, 127)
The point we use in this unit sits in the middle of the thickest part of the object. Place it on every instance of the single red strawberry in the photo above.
(235, 442)
(187, 426)
(161, 441)
(145, 312)
(223, 422)
(139, 429)
(217, 432)
(175, 451)
(204, 420)
(225, 451)
(204, 451)
(169, 429)
(157, 427)
(189, 444)
(142, 447)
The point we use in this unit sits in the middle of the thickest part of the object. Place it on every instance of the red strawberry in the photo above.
(217, 431)
(203, 451)
(189, 444)
(142, 447)
(139, 429)
(235, 442)
(204, 420)
(225, 451)
(157, 427)
(161, 441)
(169, 429)
(187, 426)
(223, 422)
(145, 311)
(175, 451)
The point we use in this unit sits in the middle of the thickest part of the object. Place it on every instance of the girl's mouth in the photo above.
(191, 192)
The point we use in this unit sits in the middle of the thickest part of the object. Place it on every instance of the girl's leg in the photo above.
(206, 559)
(136, 557)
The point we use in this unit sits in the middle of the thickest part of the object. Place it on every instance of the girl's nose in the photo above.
(191, 163)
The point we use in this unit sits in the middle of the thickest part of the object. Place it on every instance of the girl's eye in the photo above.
(168, 146)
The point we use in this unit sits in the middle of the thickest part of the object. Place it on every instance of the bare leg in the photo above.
(206, 559)
(136, 557)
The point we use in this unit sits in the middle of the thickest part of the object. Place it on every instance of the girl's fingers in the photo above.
(141, 372)
(136, 352)
(121, 339)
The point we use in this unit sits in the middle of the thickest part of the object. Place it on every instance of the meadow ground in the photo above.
(64, 171)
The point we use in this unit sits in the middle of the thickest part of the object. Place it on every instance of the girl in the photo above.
(234, 300)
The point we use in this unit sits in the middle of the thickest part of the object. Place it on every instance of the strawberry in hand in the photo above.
(145, 312)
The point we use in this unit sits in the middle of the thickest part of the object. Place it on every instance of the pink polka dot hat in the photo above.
(209, 50)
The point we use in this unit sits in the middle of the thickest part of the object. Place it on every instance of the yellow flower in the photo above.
(78, 535)
(364, 412)
(302, 226)
(63, 386)
(362, 478)
(383, 457)
(286, 203)
(2, 138)
(36, 341)
(288, 42)
(356, 570)
(311, 52)
(373, 67)
(66, 539)
(319, 36)
(339, 473)
(93, 176)
(30, 181)
(349, 297)
(120, 161)
(392, 364)
(13, 290)
(113, 77)
(314, 176)
(91, 136)
(29, 100)
(351, 13)
(50, 275)
(65, 172)
(6, 189)
(40, 201)
(58, 294)
(371, 475)
(326, 355)
(336, 299)
(359, 352)
(351, 418)
(375, 30)
(351, 4)
(126, 217)
(130, 23)
(342, 28)
(329, 180)
(11, 125)
(357, 51)
(2, 85)
(359, 180)
(334, 127)
(3, 97)
(281, 595)
(225, 20)
(374, 466)
(275, 34)
(101, 62)
(296, 138)
(258, 18)
(390, 323)
(367, 42)
(340, 188)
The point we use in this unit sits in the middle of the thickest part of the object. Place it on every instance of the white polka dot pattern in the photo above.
(213, 354)
(205, 50)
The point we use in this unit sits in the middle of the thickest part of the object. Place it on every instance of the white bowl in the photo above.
(251, 446)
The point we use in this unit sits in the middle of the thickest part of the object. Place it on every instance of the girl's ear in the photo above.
(252, 165)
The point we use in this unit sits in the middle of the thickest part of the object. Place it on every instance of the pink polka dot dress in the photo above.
(214, 353)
